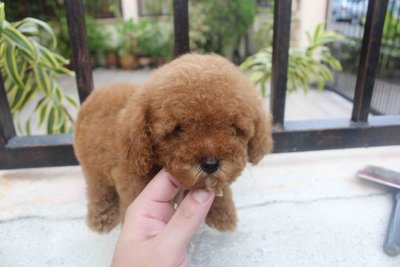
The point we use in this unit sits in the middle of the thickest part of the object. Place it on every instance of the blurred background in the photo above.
(137, 36)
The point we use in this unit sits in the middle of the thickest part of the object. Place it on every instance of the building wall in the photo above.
(309, 13)
(130, 10)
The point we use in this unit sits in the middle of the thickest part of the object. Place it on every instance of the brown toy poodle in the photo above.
(198, 117)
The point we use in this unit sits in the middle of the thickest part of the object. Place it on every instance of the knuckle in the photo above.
(185, 213)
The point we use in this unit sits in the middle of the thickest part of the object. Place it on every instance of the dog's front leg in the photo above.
(222, 215)
(129, 186)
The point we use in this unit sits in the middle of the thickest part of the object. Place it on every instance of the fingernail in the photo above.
(201, 195)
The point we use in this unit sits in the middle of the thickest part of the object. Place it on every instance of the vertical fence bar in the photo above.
(80, 51)
(7, 129)
(280, 58)
(181, 27)
(369, 59)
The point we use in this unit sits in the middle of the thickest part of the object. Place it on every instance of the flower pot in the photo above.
(93, 60)
(127, 61)
(111, 60)
(161, 62)
(101, 59)
(144, 61)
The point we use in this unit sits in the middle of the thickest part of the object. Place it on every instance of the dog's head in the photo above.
(200, 118)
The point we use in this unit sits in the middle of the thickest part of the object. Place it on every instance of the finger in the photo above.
(187, 218)
(161, 188)
(152, 209)
(161, 211)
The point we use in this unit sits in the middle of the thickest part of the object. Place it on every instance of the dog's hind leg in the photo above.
(222, 215)
(102, 213)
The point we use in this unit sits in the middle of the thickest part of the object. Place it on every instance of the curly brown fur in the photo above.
(196, 107)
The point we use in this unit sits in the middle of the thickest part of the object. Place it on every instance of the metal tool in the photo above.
(389, 178)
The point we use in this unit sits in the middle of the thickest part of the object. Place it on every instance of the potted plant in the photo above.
(96, 41)
(29, 68)
(111, 55)
(126, 51)
(126, 57)
(305, 65)
(159, 43)
(154, 41)
(166, 43)
(146, 40)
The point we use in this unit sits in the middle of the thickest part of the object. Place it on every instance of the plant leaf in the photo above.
(29, 94)
(43, 25)
(46, 57)
(71, 101)
(40, 103)
(57, 94)
(43, 80)
(59, 120)
(30, 30)
(11, 64)
(21, 41)
(50, 121)
(17, 97)
(256, 76)
(2, 14)
(27, 128)
(43, 111)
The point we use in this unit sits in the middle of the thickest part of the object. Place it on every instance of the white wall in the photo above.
(130, 10)
(309, 13)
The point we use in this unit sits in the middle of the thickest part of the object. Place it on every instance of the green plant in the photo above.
(53, 12)
(264, 34)
(305, 65)
(147, 36)
(57, 19)
(347, 51)
(229, 21)
(128, 32)
(155, 7)
(155, 38)
(101, 8)
(391, 32)
(96, 35)
(47, 10)
(21, 9)
(199, 27)
(30, 67)
(164, 49)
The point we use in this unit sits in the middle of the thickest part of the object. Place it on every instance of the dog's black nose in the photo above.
(209, 164)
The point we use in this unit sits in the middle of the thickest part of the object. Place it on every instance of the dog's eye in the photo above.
(177, 130)
(237, 130)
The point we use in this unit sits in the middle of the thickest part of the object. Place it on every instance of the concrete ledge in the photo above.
(298, 209)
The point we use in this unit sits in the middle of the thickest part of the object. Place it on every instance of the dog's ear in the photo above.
(261, 142)
(134, 143)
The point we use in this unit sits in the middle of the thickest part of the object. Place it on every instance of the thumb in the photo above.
(187, 218)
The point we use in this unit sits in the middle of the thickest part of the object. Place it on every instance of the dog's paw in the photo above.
(222, 220)
(103, 219)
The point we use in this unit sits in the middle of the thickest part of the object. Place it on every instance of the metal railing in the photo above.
(289, 136)
(386, 94)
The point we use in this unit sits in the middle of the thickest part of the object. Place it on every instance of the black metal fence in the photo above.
(386, 94)
(289, 136)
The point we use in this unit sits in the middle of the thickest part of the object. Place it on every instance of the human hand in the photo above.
(153, 233)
